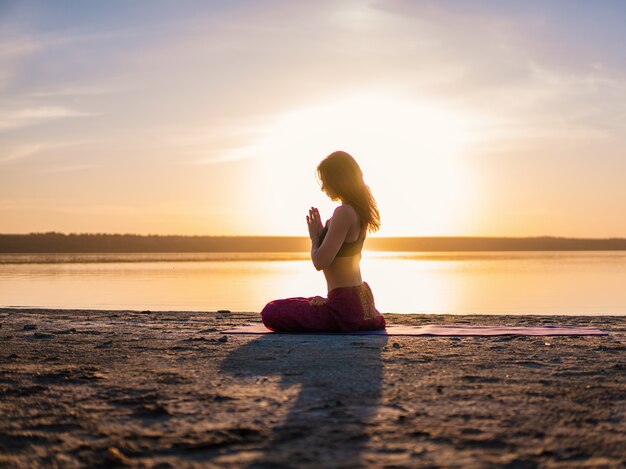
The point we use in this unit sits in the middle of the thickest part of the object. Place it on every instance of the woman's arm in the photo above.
(323, 254)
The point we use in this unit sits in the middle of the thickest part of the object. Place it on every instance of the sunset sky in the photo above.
(490, 118)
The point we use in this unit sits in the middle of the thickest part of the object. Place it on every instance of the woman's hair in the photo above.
(340, 173)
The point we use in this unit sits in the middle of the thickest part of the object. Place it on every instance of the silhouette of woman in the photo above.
(336, 250)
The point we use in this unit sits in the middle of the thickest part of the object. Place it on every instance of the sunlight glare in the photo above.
(411, 152)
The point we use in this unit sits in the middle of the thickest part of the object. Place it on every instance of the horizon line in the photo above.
(57, 233)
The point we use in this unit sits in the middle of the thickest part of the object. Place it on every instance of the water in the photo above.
(580, 283)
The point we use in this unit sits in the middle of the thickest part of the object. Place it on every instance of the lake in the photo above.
(578, 283)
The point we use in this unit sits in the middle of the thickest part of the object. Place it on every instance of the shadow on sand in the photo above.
(340, 382)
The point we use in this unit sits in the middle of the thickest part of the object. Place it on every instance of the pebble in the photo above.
(93, 375)
(116, 455)
(162, 465)
(42, 335)
(106, 344)
(224, 338)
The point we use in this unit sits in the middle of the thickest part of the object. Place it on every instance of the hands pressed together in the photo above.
(314, 222)
(315, 225)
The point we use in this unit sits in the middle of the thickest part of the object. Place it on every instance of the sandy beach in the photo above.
(83, 388)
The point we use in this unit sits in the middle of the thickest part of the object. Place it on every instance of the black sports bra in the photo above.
(346, 249)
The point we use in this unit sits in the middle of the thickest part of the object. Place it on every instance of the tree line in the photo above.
(54, 242)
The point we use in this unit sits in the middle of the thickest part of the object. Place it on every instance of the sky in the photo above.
(468, 118)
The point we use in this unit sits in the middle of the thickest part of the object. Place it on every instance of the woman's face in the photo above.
(329, 192)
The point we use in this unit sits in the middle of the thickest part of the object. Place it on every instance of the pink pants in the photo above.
(348, 309)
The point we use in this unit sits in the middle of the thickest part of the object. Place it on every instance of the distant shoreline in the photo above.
(54, 242)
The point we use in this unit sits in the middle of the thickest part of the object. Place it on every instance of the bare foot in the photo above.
(318, 301)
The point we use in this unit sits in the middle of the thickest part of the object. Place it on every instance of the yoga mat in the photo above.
(445, 330)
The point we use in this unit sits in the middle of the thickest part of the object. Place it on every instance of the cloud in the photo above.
(221, 143)
(12, 48)
(29, 149)
(15, 48)
(70, 168)
(75, 90)
(30, 116)
(16, 45)
(221, 158)
(22, 45)
(22, 151)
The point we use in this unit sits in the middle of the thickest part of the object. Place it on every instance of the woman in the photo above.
(336, 250)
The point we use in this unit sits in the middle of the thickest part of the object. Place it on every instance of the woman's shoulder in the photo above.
(346, 208)
(347, 214)
(346, 211)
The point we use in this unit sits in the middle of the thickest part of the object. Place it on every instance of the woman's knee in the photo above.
(269, 313)
(282, 313)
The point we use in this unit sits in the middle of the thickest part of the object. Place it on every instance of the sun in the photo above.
(413, 154)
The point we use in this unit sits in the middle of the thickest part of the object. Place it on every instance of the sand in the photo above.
(167, 389)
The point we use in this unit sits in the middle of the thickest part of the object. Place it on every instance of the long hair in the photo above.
(340, 173)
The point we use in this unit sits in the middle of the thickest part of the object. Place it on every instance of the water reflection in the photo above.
(483, 283)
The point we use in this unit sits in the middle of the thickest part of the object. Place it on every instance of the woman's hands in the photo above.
(315, 225)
